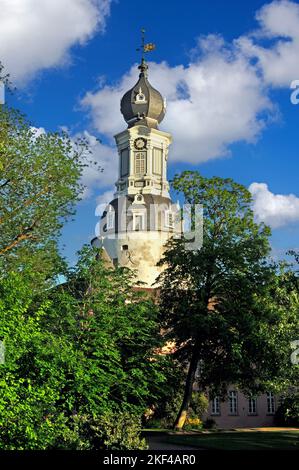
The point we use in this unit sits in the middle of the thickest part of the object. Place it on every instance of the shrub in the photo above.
(209, 423)
(287, 413)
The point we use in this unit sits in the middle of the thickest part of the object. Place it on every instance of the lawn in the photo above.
(238, 440)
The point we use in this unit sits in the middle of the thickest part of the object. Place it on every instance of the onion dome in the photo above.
(143, 105)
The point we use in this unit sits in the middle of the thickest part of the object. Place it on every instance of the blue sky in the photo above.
(225, 68)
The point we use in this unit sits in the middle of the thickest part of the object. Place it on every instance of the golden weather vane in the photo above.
(145, 47)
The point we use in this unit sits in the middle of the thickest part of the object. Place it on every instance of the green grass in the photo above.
(238, 440)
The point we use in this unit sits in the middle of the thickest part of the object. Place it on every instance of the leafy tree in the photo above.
(39, 186)
(287, 413)
(81, 361)
(218, 303)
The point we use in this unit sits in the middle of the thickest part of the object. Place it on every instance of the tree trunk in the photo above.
(182, 414)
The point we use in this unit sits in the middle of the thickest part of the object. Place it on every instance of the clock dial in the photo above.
(140, 143)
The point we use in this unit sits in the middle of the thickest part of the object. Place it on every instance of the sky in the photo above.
(229, 71)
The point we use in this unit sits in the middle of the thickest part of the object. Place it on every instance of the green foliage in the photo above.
(81, 366)
(167, 410)
(227, 307)
(287, 413)
(39, 186)
(198, 405)
(115, 431)
(81, 363)
(209, 423)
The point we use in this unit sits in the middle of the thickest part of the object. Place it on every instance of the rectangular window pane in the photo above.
(124, 162)
(110, 220)
(252, 406)
(140, 163)
(138, 222)
(216, 406)
(157, 161)
(233, 404)
(169, 219)
(270, 403)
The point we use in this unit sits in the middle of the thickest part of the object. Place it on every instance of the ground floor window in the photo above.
(216, 406)
(270, 403)
(233, 402)
(252, 408)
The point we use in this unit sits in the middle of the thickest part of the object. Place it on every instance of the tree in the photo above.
(39, 186)
(81, 365)
(217, 302)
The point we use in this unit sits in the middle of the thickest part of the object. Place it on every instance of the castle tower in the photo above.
(140, 219)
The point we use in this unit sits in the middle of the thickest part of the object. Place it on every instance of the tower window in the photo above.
(157, 161)
(110, 219)
(233, 402)
(270, 403)
(140, 163)
(252, 408)
(169, 219)
(138, 222)
(125, 247)
(216, 406)
(124, 162)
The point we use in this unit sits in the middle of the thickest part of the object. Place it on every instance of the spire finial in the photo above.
(144, 48)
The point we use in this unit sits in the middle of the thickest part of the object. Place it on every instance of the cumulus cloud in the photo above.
(216, 100)
(221, 96)
(101, 173)
(275, 210)
(278, 22)
(103, 200)
(36, 35)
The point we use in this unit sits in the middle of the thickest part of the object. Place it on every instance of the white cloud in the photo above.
(103, 200)
(37, 131)
(221, 97)
(278, 22)
(105, 158)
(215, 101)
(275, 210)
(38, 34)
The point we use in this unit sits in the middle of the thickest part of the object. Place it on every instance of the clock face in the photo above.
(140, 143)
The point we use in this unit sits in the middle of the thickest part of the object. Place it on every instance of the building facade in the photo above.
(239, 411)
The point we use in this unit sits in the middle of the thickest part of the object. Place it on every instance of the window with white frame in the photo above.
(140, 167)
(138, 222)
(157, 161)
(233, 402)
(110, 218)
(270, 403)
(252, 406)
(216, 406)
(169, 219)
